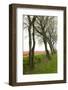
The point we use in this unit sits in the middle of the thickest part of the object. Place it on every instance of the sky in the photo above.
(38, 47)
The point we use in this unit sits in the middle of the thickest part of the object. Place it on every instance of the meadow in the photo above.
(42, 65)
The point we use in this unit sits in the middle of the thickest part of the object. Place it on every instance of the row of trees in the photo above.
(45, 29)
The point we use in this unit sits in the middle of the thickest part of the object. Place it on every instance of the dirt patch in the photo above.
(36, 52)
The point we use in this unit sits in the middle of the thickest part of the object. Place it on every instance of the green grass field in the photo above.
(41, 65)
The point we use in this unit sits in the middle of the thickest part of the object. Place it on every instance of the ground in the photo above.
(41, 64)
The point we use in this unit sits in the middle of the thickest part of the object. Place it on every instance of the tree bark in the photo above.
(30, 44)
(51, 46)
(46, 50)
(33, 48)
(31, 38)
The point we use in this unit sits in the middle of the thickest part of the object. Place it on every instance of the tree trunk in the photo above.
(51, 46)
(30, 44)
(31, 38)
(33, 48)
(46, 50)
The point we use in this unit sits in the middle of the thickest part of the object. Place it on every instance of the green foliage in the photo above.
(41, 65)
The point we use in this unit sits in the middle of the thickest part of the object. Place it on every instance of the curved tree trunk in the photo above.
(51, 47)
(46, 50)
(33, 48)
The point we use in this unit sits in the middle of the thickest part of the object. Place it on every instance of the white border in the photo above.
(41, 77)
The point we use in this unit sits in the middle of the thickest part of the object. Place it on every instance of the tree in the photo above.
(40, 27)
(52, 33)
(31, 31)
(33, 39)
(45, 27)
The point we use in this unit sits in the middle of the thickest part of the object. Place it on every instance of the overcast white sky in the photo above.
(38, 47)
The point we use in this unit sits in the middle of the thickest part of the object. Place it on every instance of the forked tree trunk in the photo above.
(31, 38)
(51, 47)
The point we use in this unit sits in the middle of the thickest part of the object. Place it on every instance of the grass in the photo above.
(41, 64)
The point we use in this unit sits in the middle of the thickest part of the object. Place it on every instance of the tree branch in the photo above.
(38, 31)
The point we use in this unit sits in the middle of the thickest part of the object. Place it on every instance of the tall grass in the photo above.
(41, 64)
